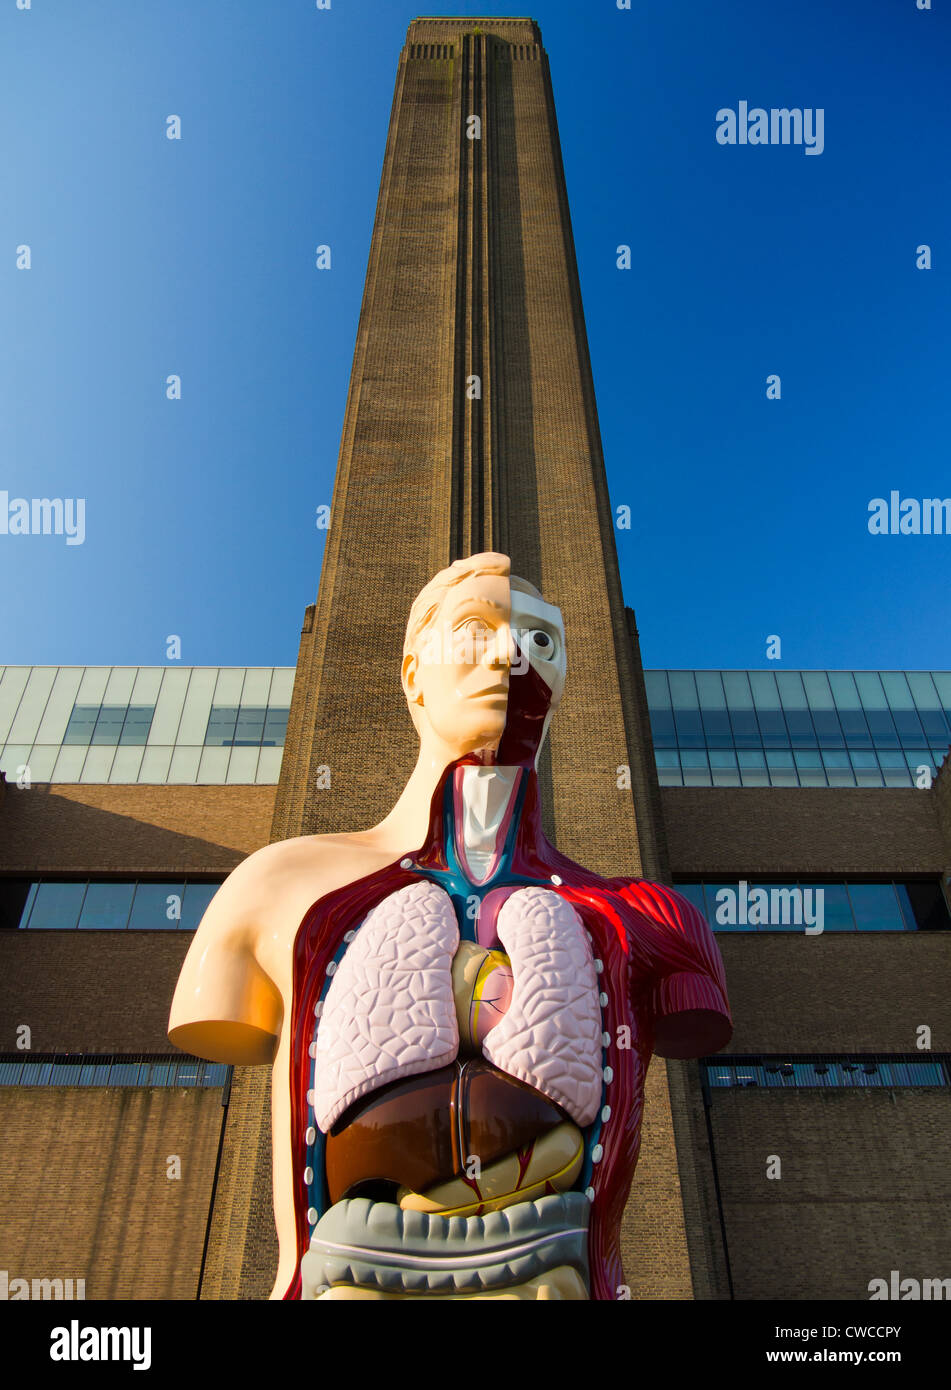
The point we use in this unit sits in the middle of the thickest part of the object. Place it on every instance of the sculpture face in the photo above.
(485, 637)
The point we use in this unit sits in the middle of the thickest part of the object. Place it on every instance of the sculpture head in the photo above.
(483, 661)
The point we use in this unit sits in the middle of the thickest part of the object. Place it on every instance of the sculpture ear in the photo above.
(408, 679)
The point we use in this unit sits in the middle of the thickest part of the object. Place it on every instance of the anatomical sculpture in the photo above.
(459, 1018)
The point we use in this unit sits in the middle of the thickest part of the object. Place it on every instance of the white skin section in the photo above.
(233, 1002)
(487, 790)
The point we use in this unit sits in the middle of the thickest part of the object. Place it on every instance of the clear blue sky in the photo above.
(196, 257)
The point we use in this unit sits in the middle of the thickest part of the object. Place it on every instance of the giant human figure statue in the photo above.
(459, 1018)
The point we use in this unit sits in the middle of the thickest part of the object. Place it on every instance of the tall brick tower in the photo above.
(470, 425)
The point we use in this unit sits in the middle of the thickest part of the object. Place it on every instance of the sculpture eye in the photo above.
(542, 644)
(470, 639)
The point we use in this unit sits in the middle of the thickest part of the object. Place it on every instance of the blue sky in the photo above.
(152, 256)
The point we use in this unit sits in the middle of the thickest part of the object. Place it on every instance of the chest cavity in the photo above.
(408, 997)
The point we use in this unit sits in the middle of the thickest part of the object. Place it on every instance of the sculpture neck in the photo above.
(483, 803)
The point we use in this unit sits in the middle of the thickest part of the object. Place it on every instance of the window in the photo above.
(16, 899)
(138, 722)
(246, 726)
(136, 1069)
(56, 905)
(745, 905)
(157, 906)
(221, 725)
(923, 906)
(875, 906)
(113, 905)
(82, 723)
(106, 906)
(249, 729)
(109, 724)
(862, 1071)
(275, 728)
(197, 898)
(892, 723)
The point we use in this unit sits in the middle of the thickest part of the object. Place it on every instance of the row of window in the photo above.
(825, 1072)
(156, 764)
(800, 709)
(150, 905)
(246, 726)
(152, 724)
(911, 905)
(141, 1069)
(252, 726)
(113, 724)
(37, 702)
(83, 1069)
(808, 767)
(104, 906)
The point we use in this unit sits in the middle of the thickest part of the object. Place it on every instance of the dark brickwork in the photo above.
(89, 829)
(941, 791)
(85, 1191)
(653, 1233)
(865, 1189)
(799, 830)
(838, 992)
(125, 1228)
(242, 1248)
(89, 991)
(701, 1207)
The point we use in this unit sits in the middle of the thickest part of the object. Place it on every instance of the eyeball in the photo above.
(542, 644)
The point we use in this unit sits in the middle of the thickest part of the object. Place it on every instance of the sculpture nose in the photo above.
(500, 648)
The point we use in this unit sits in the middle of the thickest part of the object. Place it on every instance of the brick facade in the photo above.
(89, 829)
(838, 992)
(865, 1189)
(85, 1190)
(744, 831)
(89, 991)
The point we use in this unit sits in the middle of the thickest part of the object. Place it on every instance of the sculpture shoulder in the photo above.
(649, 892)
(237, 978)
(269, 892)
(666, 910)
(273, 864)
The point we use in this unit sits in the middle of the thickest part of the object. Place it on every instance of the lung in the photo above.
(550, 1037)
(390, 1010)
